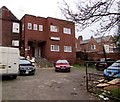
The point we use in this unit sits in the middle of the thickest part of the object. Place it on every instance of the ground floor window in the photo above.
(54, 47)
(15, 42)
(67, 49)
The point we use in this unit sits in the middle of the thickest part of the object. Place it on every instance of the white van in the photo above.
(9, 61)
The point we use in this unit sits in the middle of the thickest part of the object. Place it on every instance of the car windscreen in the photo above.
(62, 61)
(25, 62)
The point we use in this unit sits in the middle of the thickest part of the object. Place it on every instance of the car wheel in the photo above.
(33, 73)
(14, 76)
(69, 70)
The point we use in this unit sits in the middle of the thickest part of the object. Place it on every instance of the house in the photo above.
(93, 48)
(9, 28)
(96, 44)
(48, 38)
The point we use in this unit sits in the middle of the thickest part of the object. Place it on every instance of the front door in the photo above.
(38, 52)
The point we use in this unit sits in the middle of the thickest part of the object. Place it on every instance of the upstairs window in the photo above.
(40, 27)
(23, 27)
(16, 27)
(66, 30)
(29, 25)
(35, 27)
(55, 48)
(93, 47)
(53, 28)
(67, 49)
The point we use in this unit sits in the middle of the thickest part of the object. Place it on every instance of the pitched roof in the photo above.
(105, 38)
(98, 40)
(85, 41)
(12, 16)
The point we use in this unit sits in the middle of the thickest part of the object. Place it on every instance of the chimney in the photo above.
(80, 38)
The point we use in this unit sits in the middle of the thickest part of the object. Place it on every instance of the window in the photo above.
(55, 38)
(67, 49)
(35, 27)
(29, 25)
(66, 30)
(93, 47)
(15, 42)
(54, 47)
(53, 28)
(23, 27)
(40, 27)
(16, 27)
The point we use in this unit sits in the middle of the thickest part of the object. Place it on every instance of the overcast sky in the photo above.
(43, 8)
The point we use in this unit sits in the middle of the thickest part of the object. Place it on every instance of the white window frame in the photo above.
(53, 28)
(40, 27)
(29, 26)
(93, 47)
(67, 48)
(34, 26)
(66, 30)
(16, 27)
(55, 48)
(15, 42)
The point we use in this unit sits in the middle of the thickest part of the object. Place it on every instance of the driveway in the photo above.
(47, 84)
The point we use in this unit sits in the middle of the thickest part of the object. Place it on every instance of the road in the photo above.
(47, 84)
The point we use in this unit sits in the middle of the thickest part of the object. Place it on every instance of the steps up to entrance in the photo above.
(43, 63)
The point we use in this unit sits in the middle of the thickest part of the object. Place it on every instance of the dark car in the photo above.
(102, 64)
(62, 65)
(26, 67)
(112, 71)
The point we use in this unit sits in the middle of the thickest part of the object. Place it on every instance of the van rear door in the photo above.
(3, 60)
(13, 60)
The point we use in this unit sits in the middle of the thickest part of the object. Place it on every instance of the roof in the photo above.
(12, 16)
(85, 41)
(98, 40)
(105, 38)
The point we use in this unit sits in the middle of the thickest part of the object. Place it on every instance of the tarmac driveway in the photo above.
(47, 84)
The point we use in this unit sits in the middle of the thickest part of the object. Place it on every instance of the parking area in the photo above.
(47, 84)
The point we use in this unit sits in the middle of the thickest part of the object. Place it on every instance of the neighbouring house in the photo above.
(9, 28)
(96, 44)
(93, 47)
(48, 38)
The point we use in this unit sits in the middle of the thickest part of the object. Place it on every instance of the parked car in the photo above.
(26, 67)
(62, 65)
(113, 71)
(102, 64)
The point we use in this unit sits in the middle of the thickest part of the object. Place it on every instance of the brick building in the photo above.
(48, 38)
(93, 47)
(9, 28)
(96, 44)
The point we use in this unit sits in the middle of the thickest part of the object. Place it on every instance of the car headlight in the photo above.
(22, 68)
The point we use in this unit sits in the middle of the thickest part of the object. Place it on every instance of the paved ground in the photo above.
(47, 84)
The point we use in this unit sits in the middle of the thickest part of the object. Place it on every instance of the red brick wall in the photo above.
(65, 39)
(96, 56)
(7, 21)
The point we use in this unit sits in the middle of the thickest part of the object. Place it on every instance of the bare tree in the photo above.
(88, 12)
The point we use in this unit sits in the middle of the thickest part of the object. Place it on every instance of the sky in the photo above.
(42, 8)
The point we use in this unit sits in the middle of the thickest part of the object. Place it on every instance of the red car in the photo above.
(62, 65)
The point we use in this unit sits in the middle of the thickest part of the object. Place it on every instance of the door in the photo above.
(13, 60)
(3, 60)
